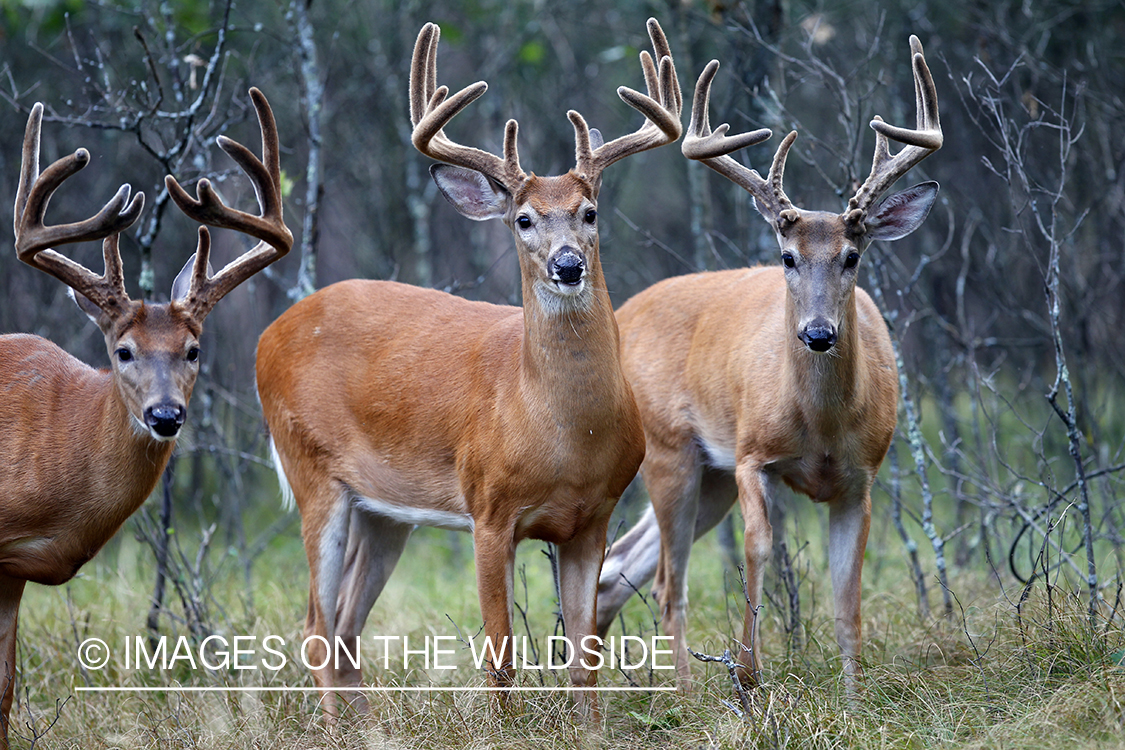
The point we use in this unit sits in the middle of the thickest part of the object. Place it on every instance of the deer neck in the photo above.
(570, 352)
(824, 384)
(129, 454)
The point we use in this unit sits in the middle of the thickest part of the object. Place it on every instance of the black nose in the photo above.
(567, 267)
(165, 420)
(820, 337)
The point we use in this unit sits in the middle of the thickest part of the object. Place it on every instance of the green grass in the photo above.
(986, 679)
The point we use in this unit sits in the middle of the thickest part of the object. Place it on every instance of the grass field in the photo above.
(985, 679)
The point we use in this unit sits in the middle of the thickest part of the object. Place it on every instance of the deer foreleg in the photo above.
(580, 561)
(495, 553)
(849, 520)
(754, 489)
(11, 591)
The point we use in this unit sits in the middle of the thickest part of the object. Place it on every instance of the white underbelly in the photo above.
(719, 455)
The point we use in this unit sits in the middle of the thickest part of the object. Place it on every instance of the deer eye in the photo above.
(124, 355)
(591, 216)
(787, 260)
(852, 260)
(524, 222)
(193, 354)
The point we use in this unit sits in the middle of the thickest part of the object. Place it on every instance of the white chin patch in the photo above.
(562, 299)
(569, 290)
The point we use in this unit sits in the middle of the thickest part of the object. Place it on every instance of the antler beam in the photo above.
(208, 209)
(34, 239)
(431, 111)
(713, 148)
(661, 108)
(920, 143)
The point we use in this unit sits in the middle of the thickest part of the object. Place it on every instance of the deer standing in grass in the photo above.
(81, 449)
(391, 406)
(754, 377)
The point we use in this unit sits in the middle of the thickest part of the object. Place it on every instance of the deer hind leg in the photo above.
(755, 488)
(628, 567)
(326, 545)
(632, 561)
(717, 493)
(673, 482)
(580, 561)
(849, 520)
(11, 591)
(375, 545)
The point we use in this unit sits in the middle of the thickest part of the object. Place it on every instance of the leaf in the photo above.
(532, 53)
(287, 184)
(668, 721)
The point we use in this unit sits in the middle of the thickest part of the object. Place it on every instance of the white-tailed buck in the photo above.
(81, 449)
(754, 377)
(391, 406)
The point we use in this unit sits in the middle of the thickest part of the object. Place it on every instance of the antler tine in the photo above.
(201, 261)
(920, 107)
(919, 143)
(700, 142)
(423, 71)
(661, 108)
(662, 49)
(34, 239)
(209, 209)
(714, 149)
(431, 109)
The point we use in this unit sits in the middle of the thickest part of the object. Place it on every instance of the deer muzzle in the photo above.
(165, 420)
(819, 335)
(566, 267)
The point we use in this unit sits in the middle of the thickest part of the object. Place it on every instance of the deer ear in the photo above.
(900, 214)
(473, 195)
(93, 312)
(182, 285)
(100, 317)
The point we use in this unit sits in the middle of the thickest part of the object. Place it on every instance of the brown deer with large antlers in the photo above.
(754, 377)
(391, 406)
(81, 449)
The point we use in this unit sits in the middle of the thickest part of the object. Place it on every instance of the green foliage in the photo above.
(191, 17)
(44, 16)
(287, 184)
(664, 721)
(532, 53)
(451, 31)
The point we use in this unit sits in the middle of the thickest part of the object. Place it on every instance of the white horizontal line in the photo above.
(402, 689)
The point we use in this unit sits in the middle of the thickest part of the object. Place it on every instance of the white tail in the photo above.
(750, 378)
(81, 449)
(391, 406)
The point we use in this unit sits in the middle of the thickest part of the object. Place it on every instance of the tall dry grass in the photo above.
(993, 677)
